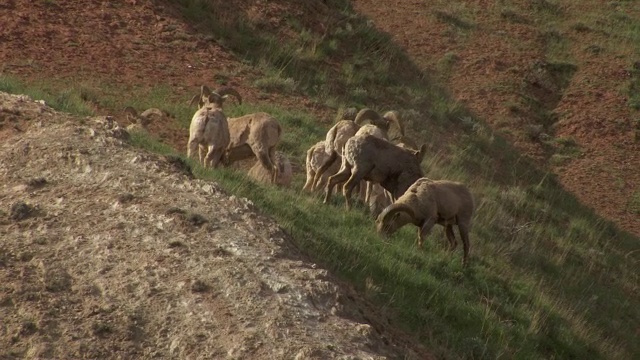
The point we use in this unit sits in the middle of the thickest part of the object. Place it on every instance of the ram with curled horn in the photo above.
(336, 137)
(366, 121)
(216, 97)
(395, 125)
(428, 202)
(209, 129)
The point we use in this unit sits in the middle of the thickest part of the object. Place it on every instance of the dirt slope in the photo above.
(494, 57)
(109, 252)
(496, 62)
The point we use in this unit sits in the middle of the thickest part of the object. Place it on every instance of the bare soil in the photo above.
(111, 252)
(592, 108)
(201, 274)
(143, 43)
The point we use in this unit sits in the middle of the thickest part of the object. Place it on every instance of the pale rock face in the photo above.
(144, 259)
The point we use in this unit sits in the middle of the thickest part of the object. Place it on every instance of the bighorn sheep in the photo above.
(370, 158)
(209, 128)
(343, 130)
(316, 156)
(428, 202)
(378, 199)
(285, 171)
(254, 135)
(142, 120)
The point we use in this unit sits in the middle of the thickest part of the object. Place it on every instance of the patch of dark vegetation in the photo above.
(199, 286)
(453, 20)
(179, 165)
(542, 90)
(514, 17)
(219, 251)
(196, 219)
(101, 328)
(581, 27)
(57, 280)
(547, 6)
(176, 244)
(28, 328)
(21, 211)
(594, 49)
(125, 198)
(186, 217)
(175, 210)
(37, 183)
(634, 86)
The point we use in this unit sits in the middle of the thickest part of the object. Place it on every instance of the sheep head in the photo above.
(371, 116)
(421, 153)
(393, 217)
(215, 98)
(347, 114)
(394, 122)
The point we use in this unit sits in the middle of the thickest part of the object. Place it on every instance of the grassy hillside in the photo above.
(548, 278)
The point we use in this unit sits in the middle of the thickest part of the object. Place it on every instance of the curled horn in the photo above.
(225, 91)
(195, 99)
(201, 99)
(373, 117)
(393, 117)
(130, 111)
(348, 114)
(397, 208)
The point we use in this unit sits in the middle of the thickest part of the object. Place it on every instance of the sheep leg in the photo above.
(310, 176)
(275, 165)
(424, 230)
(369, 190)
(202, 155)
(464, 234)
(192, 146)
(452, 238)
(338, 178)
(238, 153)
(354, 180)
(208, 159)
(214, 156)
(323, 168)
(266, 159)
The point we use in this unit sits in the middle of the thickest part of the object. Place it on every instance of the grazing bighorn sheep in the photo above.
(209, 128)
(428, 202)
(343, 130)
(370, 158)
(142, 120)
(316, 156)
(285, 171)
(378, 200)
(254, 135)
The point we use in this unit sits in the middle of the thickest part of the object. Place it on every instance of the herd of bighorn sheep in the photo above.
(363, 150)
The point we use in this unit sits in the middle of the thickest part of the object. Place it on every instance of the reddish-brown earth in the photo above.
(143, 43)
(593, 108)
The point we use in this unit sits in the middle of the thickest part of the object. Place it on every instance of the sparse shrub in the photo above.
(21, 210)
(276, 84)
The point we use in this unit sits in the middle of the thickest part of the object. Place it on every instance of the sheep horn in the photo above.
(225, 91)
(205, 92)
(372, 116)
(130, 110)
(195, 99)
(349, 114)
(152, 111)
(397, 208)
(393, 117)
(421, 153)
